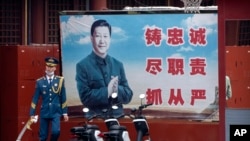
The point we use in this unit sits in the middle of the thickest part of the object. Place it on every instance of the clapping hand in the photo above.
(113, 85)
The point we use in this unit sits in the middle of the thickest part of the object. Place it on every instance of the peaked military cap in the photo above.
(51, 61)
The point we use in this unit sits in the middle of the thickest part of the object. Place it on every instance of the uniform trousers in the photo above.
(45, 124)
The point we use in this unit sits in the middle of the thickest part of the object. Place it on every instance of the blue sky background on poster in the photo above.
(128, 45)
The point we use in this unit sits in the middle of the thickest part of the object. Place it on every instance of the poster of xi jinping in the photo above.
(171, 58)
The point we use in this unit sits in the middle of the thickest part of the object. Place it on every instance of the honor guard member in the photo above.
(50, 88)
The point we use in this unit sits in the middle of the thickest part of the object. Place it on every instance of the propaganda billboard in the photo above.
(171, 57)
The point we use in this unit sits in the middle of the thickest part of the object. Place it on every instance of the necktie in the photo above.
(50, 81)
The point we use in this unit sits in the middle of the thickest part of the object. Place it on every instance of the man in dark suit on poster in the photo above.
(98, 75)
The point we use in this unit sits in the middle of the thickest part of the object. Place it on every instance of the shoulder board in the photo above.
(60, 77)
(40, 78)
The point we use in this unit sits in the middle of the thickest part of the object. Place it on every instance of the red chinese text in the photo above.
(197, 66)
(197, 94)
(153, 36)
(154, 96)
(175, 36)
(175, 66)
(197, 37)
(175, 98)
(154, 66)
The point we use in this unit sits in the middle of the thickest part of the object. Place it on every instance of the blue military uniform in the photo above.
(53, 105)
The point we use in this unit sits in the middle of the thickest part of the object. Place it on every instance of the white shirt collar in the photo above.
(52, 77)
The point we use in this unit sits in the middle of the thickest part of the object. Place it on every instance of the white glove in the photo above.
(35, 119)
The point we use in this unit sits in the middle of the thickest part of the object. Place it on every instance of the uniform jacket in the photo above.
(93, 75)
(53, 97)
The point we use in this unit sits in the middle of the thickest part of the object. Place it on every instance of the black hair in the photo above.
(100, 23)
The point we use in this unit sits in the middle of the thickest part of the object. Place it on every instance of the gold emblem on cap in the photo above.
(51, 60)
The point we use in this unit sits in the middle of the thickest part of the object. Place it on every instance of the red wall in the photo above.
(235, 9)
(227, 10)
(238, 69)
